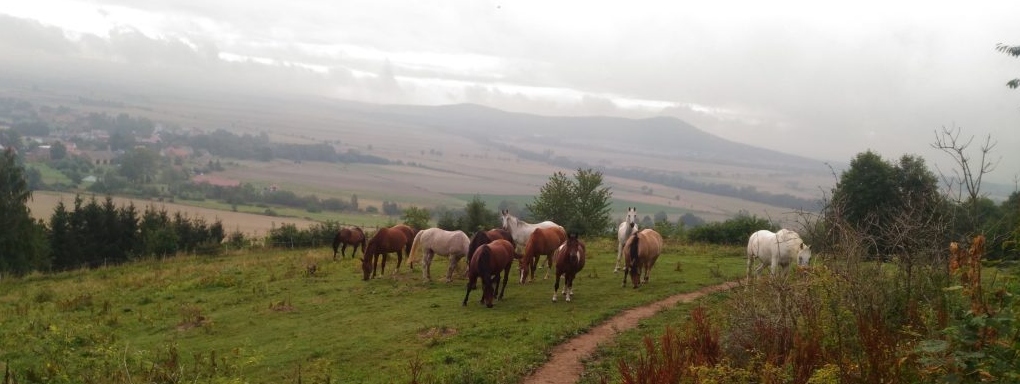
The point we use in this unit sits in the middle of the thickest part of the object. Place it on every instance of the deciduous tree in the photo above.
(580, 205)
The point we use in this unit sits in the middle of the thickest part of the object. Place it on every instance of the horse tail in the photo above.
(634, 258)
(484, 266)
(414, 247)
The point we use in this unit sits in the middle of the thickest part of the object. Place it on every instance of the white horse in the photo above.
(627, 228)
(435, 241)
(778, 249)
(521, 230)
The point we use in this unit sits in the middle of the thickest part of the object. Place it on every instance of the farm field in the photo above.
(261, 317)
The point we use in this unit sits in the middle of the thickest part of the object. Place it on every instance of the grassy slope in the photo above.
(267, 321)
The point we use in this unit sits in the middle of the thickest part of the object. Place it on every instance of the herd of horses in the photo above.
(490, 253)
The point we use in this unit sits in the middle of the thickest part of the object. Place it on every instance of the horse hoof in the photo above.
(568, 299)
(554, 299)
(488, 305)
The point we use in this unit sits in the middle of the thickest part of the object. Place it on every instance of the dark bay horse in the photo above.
(488, 261)
(543, 241)
(569, 260)
(640, 252)
(484, 237)
(385, 241)
(349, 236)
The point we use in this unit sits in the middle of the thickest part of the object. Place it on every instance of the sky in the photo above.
(819, 79)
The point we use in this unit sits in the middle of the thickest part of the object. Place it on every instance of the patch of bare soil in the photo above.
(565, 364)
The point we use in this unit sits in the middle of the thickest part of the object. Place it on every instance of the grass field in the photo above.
(261, 317)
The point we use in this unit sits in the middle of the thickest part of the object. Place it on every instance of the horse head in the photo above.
(804, 255)
(505, 219)
(632, 216)
(366, 266)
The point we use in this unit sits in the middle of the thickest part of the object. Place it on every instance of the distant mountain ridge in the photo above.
(666, 135)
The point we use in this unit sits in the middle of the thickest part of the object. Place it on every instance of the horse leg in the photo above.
(375, 263)
(548, 261)
(400, 257)
(506, 278)
(453, 266)
(568, 288)
(556, 286)
(619, 255)
(626, 270)
(470, 285)
(427, 267)
(648, 269)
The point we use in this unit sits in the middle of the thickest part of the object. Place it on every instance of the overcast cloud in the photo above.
(825, 81)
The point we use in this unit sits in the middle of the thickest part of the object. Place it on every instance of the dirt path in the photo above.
(565, 365)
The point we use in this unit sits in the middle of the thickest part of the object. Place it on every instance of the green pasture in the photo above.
(262, 317)
(49, 174)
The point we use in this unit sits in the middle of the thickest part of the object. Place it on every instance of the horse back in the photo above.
(544, 240)
(387, 240)
(502, 253)
(652, 242)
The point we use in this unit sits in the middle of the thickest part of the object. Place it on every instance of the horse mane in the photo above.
(479, 239)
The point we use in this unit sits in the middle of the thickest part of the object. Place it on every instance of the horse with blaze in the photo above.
(569, 260)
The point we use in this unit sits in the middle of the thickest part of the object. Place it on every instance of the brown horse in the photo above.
(409, 233)
(484, 237)
(488, 261)
(640, 252)
(569, 261)
(384, 241)
(349, 236)
(543, 241)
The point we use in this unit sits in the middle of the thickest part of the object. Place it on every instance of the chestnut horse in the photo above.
(543, 241)
(434, 241)
(409, 234)
(349, 236)
(640, 252)
(384, 241)
(488, 261)
(569, 260)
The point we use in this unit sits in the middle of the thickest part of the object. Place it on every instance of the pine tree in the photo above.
(22, 240)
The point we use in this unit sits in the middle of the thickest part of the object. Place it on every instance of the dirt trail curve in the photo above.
(565, 365)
